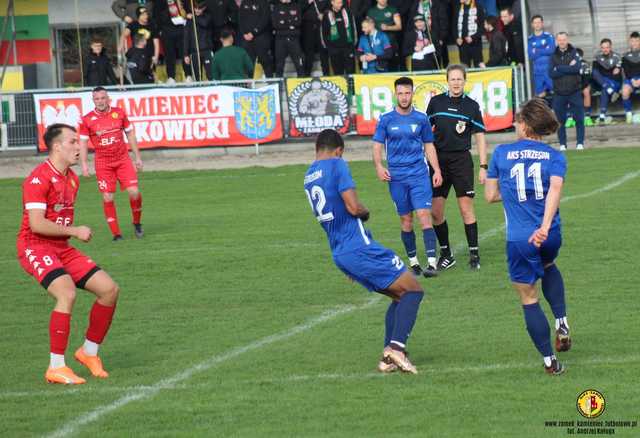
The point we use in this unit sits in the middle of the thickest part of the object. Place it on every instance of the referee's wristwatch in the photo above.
(484, 166)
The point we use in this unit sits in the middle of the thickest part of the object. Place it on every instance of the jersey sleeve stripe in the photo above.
(35, 206)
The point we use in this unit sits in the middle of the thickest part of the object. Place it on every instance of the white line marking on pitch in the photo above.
(148, 392)
(426, 370)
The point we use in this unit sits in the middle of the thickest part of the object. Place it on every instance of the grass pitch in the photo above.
(233, 320)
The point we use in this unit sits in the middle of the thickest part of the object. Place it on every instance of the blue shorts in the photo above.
(526, 262)
(610, 83)
(542, 83)
(373, 266)
(410, 194)
(628, 81)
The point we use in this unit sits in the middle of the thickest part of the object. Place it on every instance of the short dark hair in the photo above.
(458, 67)
(329, 140)
(634, 35)
(562, 32)
(492, 21)
(535, 17)
(404, 80)
(98, 89)
(606, 40)
(226, 33)
(508, 9)
(538, 117)
(96, 40)
(53, 132)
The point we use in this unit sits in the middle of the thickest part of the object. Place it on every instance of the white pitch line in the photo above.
(425, 370)
(148, 392)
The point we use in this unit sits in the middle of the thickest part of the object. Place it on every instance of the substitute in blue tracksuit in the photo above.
(564, 70)
(541, 46)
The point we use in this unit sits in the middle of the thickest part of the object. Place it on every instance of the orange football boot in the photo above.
(64, 375)
(92, 362)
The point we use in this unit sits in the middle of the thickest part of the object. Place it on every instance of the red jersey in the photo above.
(105, 129)
(48, 189)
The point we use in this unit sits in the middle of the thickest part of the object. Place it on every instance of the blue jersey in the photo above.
(524, 170)
(404, 137)
(541, 48)
(324, 183)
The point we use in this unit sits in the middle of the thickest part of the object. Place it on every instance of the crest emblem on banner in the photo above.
(318, 104)
(255, 113)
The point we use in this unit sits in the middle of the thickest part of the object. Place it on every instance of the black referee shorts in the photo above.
(457, 171)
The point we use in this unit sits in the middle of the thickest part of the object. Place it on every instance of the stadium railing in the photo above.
(19, 128)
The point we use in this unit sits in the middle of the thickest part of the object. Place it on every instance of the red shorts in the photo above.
(47, 262)
(121, 171)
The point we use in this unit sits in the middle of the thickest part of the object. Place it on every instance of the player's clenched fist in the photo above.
(83, 233)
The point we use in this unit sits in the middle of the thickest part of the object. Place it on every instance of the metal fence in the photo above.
(19, 130)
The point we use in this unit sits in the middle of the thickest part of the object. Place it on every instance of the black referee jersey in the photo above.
(454, 120)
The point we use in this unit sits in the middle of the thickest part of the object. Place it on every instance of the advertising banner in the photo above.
(178, 117)
(492, 90)
(316, 104)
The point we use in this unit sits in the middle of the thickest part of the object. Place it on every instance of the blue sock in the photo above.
(429, 237)
(553, 290)
(626, 103)
(406, 313)
(538, 328)
(389, 322)
(409, 241)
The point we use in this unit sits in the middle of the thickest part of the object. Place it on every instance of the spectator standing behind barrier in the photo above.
(139, 62)
(126, 9)
(567, 85)
(374, 48)
(497, 44)
(340, 36)
(97, 67)
(221, 12)
(148, 30)
(359, 10)
(469, 19)
(170, 17)
(607, 74)
(254, 32)
(436, 15)
(312, 44)
(389, 21)
(286, 19)
(204, 29)
(417, 44)
(231, 62)
(513, 33)
(541, 46)
(631, 69)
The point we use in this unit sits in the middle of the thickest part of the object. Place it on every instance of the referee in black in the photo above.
(455, 118)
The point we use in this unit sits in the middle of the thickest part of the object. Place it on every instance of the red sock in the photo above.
(99, 322)
(59, 326)
(111, 216)
(136, 208)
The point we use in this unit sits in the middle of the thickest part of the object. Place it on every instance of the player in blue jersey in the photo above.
(528, 176)
(332, 194)
(406, 135)
(541, 47)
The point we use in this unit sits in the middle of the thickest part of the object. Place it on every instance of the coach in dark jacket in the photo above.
(97, 67)
(254, 32)
(567, 88)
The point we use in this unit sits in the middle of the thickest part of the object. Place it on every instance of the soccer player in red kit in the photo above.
(48, 197)
(104, 126)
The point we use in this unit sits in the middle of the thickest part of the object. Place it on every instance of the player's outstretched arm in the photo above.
(492, 191)
(481, 142)
(39, 224)
(84, 157)
(383, 173)
(133, 142)
(432, 157)
(551, 204)
(354, 206)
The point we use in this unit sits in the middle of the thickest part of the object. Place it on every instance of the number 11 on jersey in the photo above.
(535, 172)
